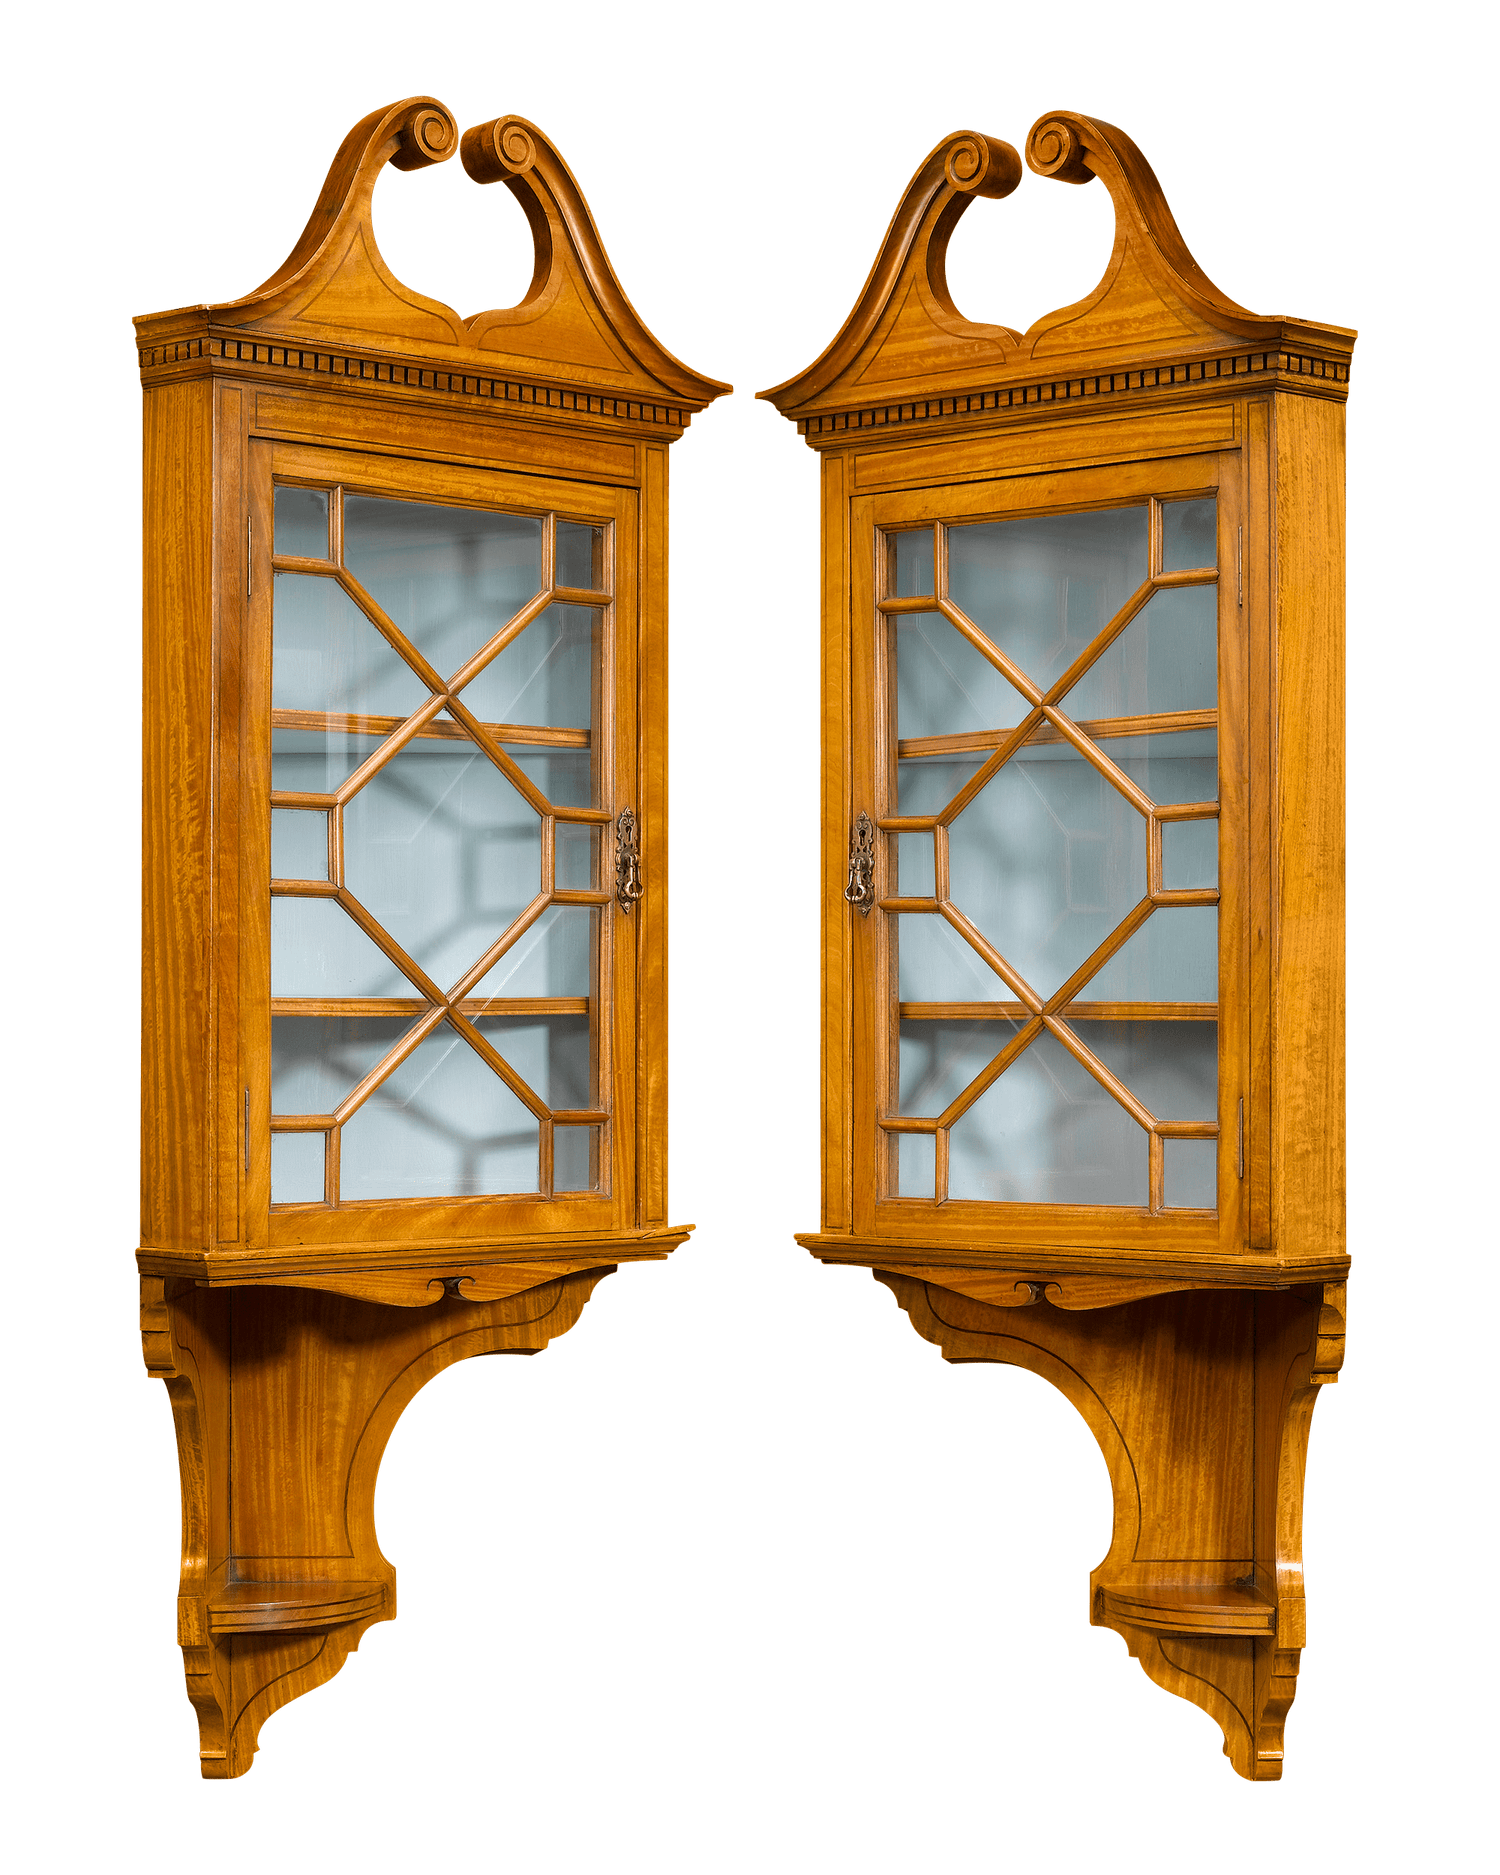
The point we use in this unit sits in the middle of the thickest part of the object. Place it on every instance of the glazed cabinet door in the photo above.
(1051, 1022)
(437, 977)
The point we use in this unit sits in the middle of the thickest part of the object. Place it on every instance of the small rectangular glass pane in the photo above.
(575, 1158)
(299, 843)
(1046, 1132)
(1189, 535)
(915, 870)
(1190, 1170)
(916, 1165)
(449, 578)
(1043, 587)
(297, 1168)
(444, 1125)
(317, 761)
(302, 522)
(580, 557)
(1189, 855)
(910, 570)
(576, 857)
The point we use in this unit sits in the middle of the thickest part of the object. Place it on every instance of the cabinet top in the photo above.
(1155, 320)
(574, 344)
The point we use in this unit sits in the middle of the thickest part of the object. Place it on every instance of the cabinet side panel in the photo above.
(837, 1040)
(1307, 1118)
(651, 801)
(177, 808)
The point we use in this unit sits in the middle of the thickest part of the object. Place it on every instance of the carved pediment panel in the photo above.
(575, 325)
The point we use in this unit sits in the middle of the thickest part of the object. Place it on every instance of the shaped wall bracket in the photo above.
(1201, 1401)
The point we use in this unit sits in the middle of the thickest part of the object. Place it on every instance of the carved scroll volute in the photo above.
(570, 259)
(409, 135)
(905, 307)
(1150, 259)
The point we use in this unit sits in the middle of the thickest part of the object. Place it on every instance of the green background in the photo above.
(739, 1577)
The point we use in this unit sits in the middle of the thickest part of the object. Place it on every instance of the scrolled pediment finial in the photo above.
(981, 165)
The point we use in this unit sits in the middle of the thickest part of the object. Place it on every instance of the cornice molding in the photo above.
(1303, 372)
(227, 354)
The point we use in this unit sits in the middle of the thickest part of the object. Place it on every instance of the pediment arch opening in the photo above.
(1011, 263)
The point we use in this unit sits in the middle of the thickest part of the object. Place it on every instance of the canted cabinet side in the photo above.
(357, 505)
(1096, 565)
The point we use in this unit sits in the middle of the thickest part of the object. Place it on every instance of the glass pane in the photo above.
(943, 685)
(580, 557)
(1046, 1132)
(1165, 659)
(554, 957)
(302, 522)
(316, 761)
(448, 577)
(1189, 854)
(299, 843)
(1173, 958)
(317, 1060)
(1190, 1173)
(915, 870)
(937, 966)
(916, 1165)
(318, 950)
(910, 569)
(545, 676)
(1045, 586)
(940, 1059)
(552, 1054)
(575, 1158)
(1172, 1068)
(1046, 861)
(1189, 535)
(565, 776)
(1178, 767)
(575, 858)
(441, 848)
(327, 656)
(297, 1168)
(443, 1126)
(926, 784)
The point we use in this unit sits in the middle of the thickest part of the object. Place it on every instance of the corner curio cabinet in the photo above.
(405, 872)
(1082, 809)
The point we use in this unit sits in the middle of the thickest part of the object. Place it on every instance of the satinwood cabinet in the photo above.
(1082, 812)
(404, 1090)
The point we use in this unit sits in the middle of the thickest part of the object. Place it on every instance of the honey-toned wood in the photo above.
(293, 1334)
(1192, 1340)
